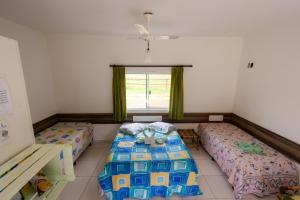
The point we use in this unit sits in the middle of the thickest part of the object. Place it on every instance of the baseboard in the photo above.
(107, 118)
(45, 123)
(283, 145)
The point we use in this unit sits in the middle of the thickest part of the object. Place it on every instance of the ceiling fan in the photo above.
(145, 32)
(147, 36)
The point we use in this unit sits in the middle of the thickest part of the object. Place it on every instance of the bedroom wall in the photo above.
(269, 93)
(36, 67)
(83, 77)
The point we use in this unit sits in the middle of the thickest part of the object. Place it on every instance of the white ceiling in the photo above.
(182, 17)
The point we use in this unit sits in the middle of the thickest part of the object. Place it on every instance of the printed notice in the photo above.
(5, 100)
(3, 131)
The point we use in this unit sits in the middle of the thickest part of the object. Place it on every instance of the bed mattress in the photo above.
(248, 173)
(79, 136)
(141, 171)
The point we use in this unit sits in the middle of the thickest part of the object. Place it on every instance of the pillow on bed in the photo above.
(162, 127)
(132, 128)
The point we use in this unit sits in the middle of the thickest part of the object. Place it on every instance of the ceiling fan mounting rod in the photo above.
(148, 13)
(148, 16)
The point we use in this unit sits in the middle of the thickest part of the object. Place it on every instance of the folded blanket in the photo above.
(157, 137)
(251, 147)
(160, 138)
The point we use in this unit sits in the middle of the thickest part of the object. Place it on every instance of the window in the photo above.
(148, 90)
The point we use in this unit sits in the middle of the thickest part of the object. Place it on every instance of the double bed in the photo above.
(260, 173)
(141, 171)
(78, 135)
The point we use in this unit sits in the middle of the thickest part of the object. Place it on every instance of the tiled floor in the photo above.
(213, 182)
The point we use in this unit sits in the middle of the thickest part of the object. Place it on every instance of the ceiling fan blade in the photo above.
(134, 38)
(142, 30)
(166, 37)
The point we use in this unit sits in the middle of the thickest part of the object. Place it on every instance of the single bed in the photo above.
(79, 135)
(248, 173)
(141, 171)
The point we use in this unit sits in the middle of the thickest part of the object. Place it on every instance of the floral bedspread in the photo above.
(247, 173)
(78, 137)
(141, 171)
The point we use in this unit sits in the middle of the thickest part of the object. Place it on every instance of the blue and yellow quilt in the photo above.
(141, 171)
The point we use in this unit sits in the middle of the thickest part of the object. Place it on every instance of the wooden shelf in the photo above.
(55, 160)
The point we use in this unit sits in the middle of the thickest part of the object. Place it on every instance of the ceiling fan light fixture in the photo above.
(148, 54)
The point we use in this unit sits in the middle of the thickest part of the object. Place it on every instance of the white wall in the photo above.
(269, 94)
(36, 67)
(83, 77)
(20, 133)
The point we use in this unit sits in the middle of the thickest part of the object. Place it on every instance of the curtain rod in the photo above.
(151, 65)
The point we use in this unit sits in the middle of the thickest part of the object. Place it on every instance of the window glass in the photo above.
(136, 91)
(159, 90)
(148, 91)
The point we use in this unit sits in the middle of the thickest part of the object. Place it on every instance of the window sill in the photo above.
(147, 111)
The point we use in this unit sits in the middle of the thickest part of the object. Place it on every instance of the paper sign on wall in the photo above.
(3, 131)
(5, 99)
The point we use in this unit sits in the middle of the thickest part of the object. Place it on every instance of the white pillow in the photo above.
(132, 128)
(162, 127)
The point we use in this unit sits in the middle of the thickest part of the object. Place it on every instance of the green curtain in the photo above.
(119, 94)
(176, 94)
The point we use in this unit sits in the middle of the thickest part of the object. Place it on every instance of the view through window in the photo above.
(146, 91)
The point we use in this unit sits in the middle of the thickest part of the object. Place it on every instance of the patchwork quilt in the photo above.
(78, 137)
(249, 173)
(142, 171)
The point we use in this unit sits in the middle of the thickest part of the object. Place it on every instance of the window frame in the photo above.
(147, 71)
